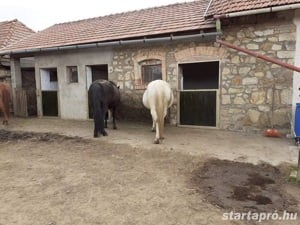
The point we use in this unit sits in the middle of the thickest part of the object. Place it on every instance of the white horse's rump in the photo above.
(158, 97)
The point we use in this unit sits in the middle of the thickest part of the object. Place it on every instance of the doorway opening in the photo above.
(49, 88)
(199, 90)
(29, 86)
(95, 72)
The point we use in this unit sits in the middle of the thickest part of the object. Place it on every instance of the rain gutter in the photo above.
(114, 43)
(258, 11)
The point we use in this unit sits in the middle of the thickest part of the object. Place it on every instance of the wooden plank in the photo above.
(198, 108)
(21, 103)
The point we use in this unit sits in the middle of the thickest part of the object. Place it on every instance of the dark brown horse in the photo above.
(4, 101)
(103, 95)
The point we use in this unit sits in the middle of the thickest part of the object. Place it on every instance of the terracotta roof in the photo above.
(12, 31)
(161, 21)
(219, 7)
(168, 19)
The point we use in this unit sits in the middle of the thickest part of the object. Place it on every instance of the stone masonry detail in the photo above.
(256, 94)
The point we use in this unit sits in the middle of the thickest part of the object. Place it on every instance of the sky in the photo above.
(39, 15)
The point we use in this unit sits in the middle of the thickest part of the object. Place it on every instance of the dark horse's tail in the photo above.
(95, 96)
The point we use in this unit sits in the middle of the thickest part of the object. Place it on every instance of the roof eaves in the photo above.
(258, 11)
(109, 43)
(10, 48)
(245, 12)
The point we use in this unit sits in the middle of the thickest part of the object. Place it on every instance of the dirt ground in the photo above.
(243, 186)
(54, 172)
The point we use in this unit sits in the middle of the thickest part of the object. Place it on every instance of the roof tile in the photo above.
(12, 31)
(219, 7)
(162, 20)
(173, 18)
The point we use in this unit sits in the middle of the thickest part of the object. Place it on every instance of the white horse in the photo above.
(158, 97)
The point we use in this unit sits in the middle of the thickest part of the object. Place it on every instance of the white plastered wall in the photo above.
(296, 78)
(46, 84)
(72, 100)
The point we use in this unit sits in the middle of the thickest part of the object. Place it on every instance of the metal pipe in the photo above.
(157, 40)
(201, 35)
(93, 45)
(258, 55)
(128, 42)
(113, 43)
(258, 11)
(105, 44)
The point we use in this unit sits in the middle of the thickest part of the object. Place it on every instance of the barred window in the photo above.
(72, 72)
(150, 73)
(53, 75)
(150, 70)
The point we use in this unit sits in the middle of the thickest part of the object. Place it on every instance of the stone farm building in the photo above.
(214, 86)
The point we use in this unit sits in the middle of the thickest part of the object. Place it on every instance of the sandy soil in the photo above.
(49, 179)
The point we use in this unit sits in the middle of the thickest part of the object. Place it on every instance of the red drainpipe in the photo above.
(258, 55)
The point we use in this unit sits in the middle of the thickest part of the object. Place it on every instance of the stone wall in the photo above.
(125, 71)
(256, 94)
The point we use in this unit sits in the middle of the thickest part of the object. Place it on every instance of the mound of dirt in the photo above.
(6, 135)
(242, 186)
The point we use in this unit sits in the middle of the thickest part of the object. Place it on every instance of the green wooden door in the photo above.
(49, 102)
(198, 108)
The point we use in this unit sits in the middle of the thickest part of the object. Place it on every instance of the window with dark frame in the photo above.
(150, 69)
(72, 74)
(150, 73)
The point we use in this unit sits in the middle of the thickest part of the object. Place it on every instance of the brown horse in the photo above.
(4, 101)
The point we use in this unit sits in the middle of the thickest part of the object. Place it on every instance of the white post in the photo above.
(296, 77)
(16, 79)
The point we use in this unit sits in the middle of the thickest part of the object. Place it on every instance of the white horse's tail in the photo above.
(171, 99)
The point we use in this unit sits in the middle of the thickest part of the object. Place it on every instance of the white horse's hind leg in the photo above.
(162, 123)
(161, 132)
(156, 140)
(155, 125)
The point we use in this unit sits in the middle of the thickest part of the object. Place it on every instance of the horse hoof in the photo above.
(115, 128)
(152, 129)
(156, 141)
(105, 133)
(95, 136)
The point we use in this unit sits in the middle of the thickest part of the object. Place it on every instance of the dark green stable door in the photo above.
(198, 108)
(50, 104)
(198, 97)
